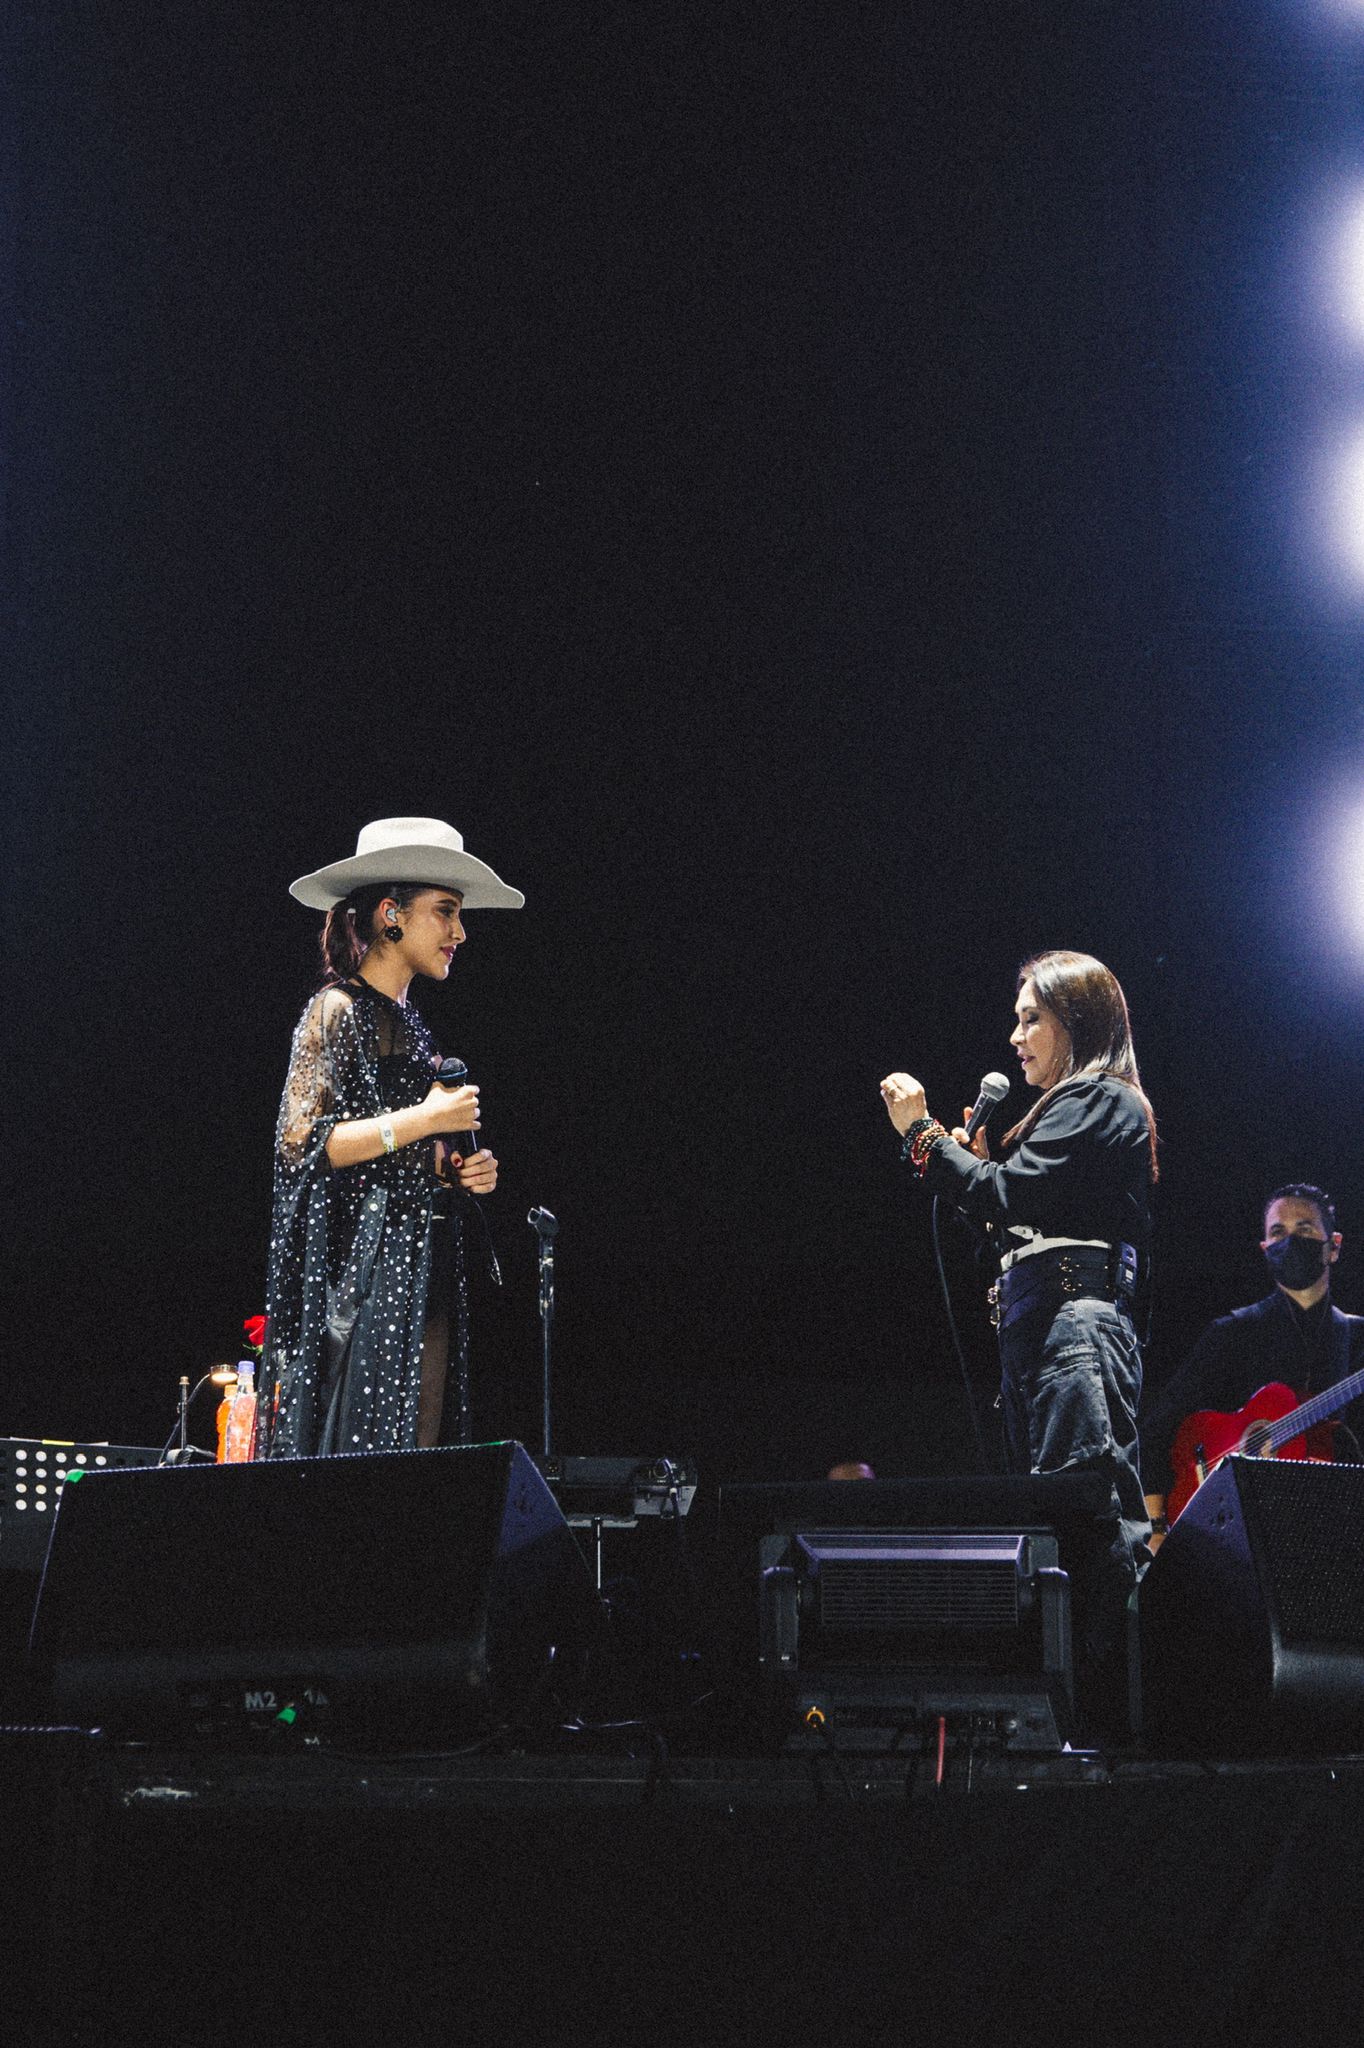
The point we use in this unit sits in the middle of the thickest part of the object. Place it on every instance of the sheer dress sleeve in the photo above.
(329, 1080)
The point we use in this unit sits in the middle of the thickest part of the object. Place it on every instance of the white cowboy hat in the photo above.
(408, 850)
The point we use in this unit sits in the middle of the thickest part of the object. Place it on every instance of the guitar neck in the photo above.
(1319, 1408)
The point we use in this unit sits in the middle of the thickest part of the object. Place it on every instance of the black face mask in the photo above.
(1295, 1262)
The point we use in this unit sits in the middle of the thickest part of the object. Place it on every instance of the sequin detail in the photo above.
(352, 1277)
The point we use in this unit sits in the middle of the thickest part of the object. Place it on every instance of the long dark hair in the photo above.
(1085, 998)
(349, 931)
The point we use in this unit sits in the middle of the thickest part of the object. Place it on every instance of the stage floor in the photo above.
(650, 1872)
(604, 1898)
(330, 1780)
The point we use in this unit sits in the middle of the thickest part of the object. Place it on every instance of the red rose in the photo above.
(254, 1326)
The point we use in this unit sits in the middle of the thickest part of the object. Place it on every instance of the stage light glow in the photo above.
(1347, 507)
(1330, 519)
(1350, 263)
(1321, 276)
(1323, 900)
(1350, 895)
(1326, 27)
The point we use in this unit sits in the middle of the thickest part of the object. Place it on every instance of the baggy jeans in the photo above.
(1071, 1382)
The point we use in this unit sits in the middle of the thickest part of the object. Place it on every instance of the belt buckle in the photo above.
(992, 1296)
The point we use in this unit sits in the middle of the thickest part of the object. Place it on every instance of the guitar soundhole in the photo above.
(1255, 1442)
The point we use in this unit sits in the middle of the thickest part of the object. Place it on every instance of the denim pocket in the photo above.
(1067, 1403)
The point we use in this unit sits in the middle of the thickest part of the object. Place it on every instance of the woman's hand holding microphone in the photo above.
(979, 1145)
(450, 1112)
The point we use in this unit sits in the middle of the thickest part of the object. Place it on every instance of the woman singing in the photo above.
(1069, 1209)
(366, 1273)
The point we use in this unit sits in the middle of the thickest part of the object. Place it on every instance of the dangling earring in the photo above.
(393, 930)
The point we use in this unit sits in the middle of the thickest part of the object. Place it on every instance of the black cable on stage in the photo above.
(972, 1407)
(993, 1089)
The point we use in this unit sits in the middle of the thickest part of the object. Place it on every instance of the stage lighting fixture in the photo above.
(890, 1605)
(869, 1633)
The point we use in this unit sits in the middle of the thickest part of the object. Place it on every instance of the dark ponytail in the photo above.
(349, 930)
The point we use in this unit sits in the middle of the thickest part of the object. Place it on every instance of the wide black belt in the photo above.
(1076, 1272)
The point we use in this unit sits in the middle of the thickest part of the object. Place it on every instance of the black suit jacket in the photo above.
(1240, 1353)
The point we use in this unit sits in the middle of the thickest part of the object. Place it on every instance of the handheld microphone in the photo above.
(993, 1089)
(453, 1073)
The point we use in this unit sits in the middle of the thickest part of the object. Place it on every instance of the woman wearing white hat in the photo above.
(358, 1338)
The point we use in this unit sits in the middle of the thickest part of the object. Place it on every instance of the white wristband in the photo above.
(387, 1133)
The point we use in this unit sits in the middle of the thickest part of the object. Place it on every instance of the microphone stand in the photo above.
(546, 1229)
(184, 1451)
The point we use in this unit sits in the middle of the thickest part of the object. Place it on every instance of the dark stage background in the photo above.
(811, 493)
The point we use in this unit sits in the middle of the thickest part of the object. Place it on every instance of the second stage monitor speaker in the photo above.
(391, 1598)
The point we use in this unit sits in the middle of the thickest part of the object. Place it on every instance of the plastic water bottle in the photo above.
(239, 1438)
(224, 1410)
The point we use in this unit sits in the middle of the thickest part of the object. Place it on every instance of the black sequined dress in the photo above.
(366, 1268)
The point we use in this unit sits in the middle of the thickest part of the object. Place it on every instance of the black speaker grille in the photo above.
(912, 1593)
(1311, 1522)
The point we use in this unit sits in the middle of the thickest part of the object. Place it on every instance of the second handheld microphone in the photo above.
(993, 1089)
(453, 1073)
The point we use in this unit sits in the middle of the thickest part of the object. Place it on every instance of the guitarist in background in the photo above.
(1295, 1335)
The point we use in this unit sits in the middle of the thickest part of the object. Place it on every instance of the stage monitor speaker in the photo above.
(391, 1598)
(1252, 1615)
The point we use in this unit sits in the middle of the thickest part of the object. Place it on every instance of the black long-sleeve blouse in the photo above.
(1083, 1171)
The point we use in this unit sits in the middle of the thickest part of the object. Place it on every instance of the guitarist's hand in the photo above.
(979, 1144)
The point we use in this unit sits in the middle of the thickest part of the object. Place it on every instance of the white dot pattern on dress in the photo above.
(351, 1247)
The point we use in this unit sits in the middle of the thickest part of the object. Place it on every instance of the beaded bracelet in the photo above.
(907, 1139)
(920, 1140)
(923, 1148)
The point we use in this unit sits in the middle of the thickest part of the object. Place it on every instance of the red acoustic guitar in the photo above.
(1273, 1424)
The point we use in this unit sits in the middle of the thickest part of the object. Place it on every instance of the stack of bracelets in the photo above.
(919, 1141)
